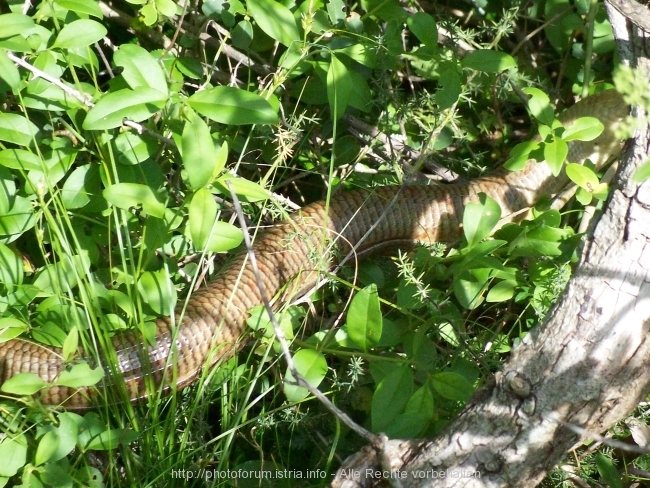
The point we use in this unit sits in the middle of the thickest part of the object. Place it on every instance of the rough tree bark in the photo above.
(587, 366)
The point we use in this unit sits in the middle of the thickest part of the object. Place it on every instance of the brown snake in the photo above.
(290, 253)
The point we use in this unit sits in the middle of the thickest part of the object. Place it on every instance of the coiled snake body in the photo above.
(289, 253)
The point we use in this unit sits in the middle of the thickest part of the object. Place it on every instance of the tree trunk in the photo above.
(585, 368)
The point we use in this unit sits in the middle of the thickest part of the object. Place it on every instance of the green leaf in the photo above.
(425, 29)
(448, 94)
(112, 108)
(13, 452)
(19, 219)
(275, 20)
(79, 33)
(555, 153)
(583, 129)
(47, 447)
(312, 366)
(339, 87)
(469, 287)
(608, 471)
(540, 105)
(16, 129)
(14, 24)
(127, 195)
(71, 343)
(8, 71)
(390, 397)
(246, 190)
(520, 154)
(202, 216)
(20, 159)
(158, 291)
(242, 35)
(141, 69)
(166, 7)
(205, 230)
(228, 105)
(10, 327)
(452, 386)
(489, 61)
(582, 176)
(134, 148)
(23, 384)
(502, 291)
(110, 439)
(199, 155)
(480, 219)
(364, 321)
(11, 271)
(88, 7)
(81, 185)
(79, 375)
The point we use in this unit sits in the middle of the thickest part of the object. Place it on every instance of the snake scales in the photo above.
(287, 253)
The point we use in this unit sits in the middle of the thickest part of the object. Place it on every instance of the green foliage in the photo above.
(116, 172)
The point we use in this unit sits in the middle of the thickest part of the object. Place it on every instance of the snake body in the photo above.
(290, 254)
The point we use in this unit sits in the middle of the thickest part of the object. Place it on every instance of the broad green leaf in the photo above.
(502, 291)
(364, 320)
(71, 343)
(205, 230)
(540, 105)
(158, 291)
(20, 159)
(540, 241)
(480, 219)
(425, 29)
(8, 71)
(583, 129)
(469, 287)
(110, 439)
(386, 10)
(79, 33)
(339, 87)
(451, 86)
(127, 195)
(88, 7)
(608, 471)
(199, 155)
(52, 99)
(14, 24)
(112, 108)
(19, 219)
(489, 61)
(555, 153)
(141, 69)
(361, 53)
(13, 450)
(16, 129)
(11, 269)
(47, 447)
(10, 327)
(391, 397)
(246, 190)
(202, 215)
(134, 148)
(67, 432)
(275, 20)
(520, 154)
(312, 366)
(23, 384)
(582, 176)
(79, 375)
(228, 105)
(452, 386)
(166, 7)
(242, 35)
(61, 274)
(82, 183)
